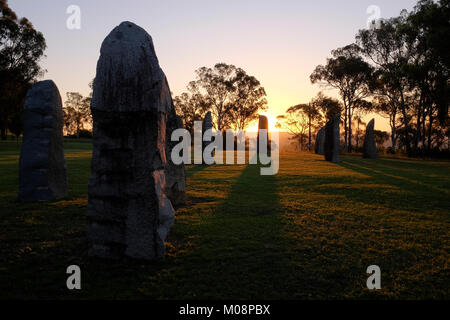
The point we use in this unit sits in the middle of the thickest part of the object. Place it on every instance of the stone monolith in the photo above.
(370, 147)
(332, 139)
(319, 146)
(42, 165)
(129, 214)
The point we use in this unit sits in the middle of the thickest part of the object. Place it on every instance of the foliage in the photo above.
(21, 48)
(233, 97)
(76, 113)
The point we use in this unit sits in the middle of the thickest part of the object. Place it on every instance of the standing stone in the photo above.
(263, 124)
(319, 146)
(175, 174)
(42, 165)
(332, 139)
(129, 213)
(370, 147)
(206, 125)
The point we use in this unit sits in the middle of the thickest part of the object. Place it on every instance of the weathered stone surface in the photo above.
(370, 147)
(42, 172)
(319, 146)
(332, 139)
(206, 125)
(175, 174)
(128, 211)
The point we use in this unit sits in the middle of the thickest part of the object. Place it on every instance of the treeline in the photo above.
(399, 68)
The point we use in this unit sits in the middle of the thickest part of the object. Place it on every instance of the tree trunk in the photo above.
(430, 128)
(405, 123)
(345, 124)
(349, 129)
(309, 136)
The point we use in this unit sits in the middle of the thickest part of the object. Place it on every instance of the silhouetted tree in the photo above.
(233, 97)
(191, 106)
(21, 48)
(350, 75)
(248, 100)
(76, 113)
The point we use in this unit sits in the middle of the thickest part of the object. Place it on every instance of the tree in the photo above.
(248, 99)
(350, 75)
(389, 48)
(359, 132)
(430, 70)
(21, 48)
(380, 137)
(233, 97)
(191, 106)
(327, 107)
(217, 84)
(76, 113)
(312, 113)
(295, 121)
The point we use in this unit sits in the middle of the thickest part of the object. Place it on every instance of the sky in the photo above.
(278, 42)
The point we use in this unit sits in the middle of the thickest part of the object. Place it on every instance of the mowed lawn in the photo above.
(309, 232)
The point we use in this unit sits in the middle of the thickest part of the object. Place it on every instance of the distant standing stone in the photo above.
(332, 139)
(263, 124)
(370, 147)
(129, 213)
(319, 146)
(206, 125)
(42, 165)
(175, 174)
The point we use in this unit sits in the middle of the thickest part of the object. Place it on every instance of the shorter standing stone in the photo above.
(319, 146)
(42, 165)
(370, 147)
(263, 125)
(332, 139)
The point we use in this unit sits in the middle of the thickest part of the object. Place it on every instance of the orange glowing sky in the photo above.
(278, 42)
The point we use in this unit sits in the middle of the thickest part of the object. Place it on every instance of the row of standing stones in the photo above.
(328, 141)
(134, 185)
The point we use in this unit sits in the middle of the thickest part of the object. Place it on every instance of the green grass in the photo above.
(309, 232)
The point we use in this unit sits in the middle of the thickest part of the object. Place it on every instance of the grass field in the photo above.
(309, 232)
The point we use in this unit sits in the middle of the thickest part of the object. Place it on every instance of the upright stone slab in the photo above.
(263, 124)
(332, 139)
(175, 175)
(206, 125)
(319, 146)
(370, 147)
(42, 165)
(129, 213)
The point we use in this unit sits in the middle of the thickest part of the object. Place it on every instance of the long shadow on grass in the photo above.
(411, 193)
(239, 250)
(194, 169)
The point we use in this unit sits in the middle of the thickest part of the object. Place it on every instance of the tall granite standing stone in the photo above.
(129, 213)
(319, 146)
(370, 147)
(42, 165)
(263, 124)
(175, 175)
(332, 139)
(206, 125)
